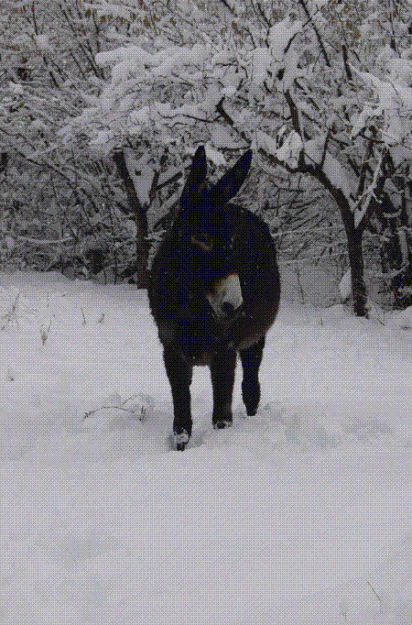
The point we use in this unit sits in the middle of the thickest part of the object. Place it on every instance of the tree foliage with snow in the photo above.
(319, 88)
(58, 204)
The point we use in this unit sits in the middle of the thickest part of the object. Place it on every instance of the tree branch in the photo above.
(319, 38)
(346, 65)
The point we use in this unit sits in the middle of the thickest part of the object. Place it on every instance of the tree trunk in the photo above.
(354, 237)
(396, 250)
(142, 244)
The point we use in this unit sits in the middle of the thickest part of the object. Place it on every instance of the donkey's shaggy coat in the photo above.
(214, 291)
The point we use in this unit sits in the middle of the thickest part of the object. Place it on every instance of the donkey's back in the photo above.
(214, 291)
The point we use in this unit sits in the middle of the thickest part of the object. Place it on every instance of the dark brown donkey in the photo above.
(214, 291)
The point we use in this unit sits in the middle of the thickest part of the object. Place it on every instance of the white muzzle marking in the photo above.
(226, 291)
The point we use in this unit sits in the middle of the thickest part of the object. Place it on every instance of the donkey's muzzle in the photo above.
(225, 298)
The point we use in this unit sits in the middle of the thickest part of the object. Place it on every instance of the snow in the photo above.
(280, 36)
(285, 57)
(299, 516)
(290, 145)
(179, 57)
(401, 71)
(395, 99)
(132, 60)
(287, 148)
(403, 319)
(261, 64)
(141, 174)
(42, 42)
(214, 155)
(132, 54)
(221, 137)
(331, 166)
(280, 55)
(345, 286)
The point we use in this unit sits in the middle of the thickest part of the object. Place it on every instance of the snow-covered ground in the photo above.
(298, 516)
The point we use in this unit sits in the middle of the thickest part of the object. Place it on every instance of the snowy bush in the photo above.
(321, 90)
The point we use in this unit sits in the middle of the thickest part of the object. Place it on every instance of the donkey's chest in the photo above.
(198, 338)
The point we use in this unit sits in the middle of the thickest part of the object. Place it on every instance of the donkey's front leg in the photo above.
(179, 373)
(251, 359)
(222, 369)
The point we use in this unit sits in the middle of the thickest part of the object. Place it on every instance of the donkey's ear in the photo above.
(230, 183)
(196, 181)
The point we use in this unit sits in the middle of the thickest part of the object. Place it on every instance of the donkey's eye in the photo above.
(203, 240)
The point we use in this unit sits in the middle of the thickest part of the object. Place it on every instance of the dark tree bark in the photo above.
(396, 250)
(354, 234)
(4, 158)
(354, 238)
(139, 212)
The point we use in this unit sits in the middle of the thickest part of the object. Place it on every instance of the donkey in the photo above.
(214, 291)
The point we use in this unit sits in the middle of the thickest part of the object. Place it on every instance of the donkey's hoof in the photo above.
(251, 411)
(181, 439)
(222, 424)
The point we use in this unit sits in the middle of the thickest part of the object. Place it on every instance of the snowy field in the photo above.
(298, 516)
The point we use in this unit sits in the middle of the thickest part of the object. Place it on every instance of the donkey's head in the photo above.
(208, 228)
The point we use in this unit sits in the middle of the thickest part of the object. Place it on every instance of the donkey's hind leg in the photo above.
(251, 359)
(222, 369)
(180, 377)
